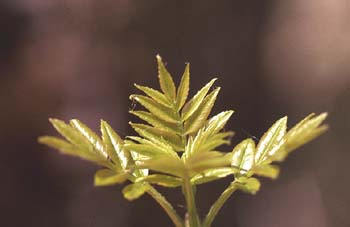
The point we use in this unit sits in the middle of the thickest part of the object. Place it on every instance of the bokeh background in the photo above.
(80, 58)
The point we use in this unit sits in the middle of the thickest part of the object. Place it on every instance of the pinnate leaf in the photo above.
(305, 131)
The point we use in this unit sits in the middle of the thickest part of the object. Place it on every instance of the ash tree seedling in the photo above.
(178, 147)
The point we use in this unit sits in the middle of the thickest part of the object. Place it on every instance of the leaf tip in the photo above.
(53, 120)
(42, 139)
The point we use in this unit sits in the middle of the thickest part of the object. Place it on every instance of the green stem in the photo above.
(166, 206)
(215, 208)
(192, 214)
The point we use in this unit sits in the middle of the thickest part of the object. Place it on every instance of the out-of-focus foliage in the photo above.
(179, 143)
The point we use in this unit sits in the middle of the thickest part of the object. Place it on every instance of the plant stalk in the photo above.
(192, 214)
(215, 208)
(176, 219)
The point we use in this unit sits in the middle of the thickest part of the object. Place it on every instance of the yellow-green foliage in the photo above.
(178, 146)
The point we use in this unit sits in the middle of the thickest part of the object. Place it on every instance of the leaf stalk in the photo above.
(192, 214)
(215, 208)
(168, 208)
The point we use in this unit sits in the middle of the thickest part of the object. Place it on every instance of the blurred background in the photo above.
(79, 59)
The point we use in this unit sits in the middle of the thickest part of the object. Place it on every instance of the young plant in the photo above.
(178, 147)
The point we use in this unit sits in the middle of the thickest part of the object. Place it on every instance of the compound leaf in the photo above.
(305, 131)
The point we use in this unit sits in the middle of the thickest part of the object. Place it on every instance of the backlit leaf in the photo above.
(70, 134)
(160, 111)
(218, 122)
(155, 95)
(183, 89)
(305, 131)
(198, 119)
(166, 81)
(162, 180)
(272, 141)
(123, 155)
(155, 121)
(134, 191)
(109, 147)
(249, 185)
(94, 140)
(159, 134)
(158, 143)
(202, 161)
(196, 101)
(149, 150)
(106, 177)
(270, 171)
(212, 174)
(168, 165)
(243, 156)
(222, 138)
(68, 148)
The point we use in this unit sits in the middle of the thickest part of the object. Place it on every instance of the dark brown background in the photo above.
(79, 59)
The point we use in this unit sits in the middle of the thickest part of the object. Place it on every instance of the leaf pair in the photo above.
(107, 151)
(80, 141)
(274, 145)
